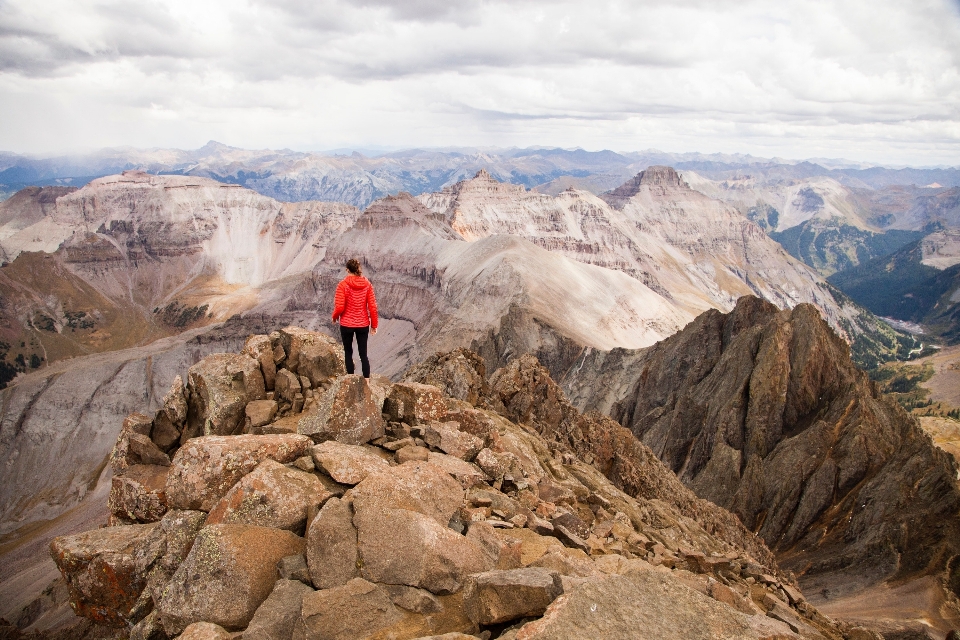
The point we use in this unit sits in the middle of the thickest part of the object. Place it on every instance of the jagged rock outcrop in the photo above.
(416, 549)
(762, 412)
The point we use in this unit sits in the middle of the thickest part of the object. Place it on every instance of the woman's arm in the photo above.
(372, 308)
(339, 302)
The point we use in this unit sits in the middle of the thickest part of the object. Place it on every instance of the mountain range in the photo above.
(628, 299)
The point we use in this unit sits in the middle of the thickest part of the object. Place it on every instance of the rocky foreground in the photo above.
(273, 496)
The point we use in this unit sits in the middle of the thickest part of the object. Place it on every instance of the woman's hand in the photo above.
(373, 331)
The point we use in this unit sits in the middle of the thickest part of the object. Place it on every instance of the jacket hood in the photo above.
(357, 282)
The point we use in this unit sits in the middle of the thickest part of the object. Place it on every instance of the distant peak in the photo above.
(213, 146)
(482, 174)
(661, 177)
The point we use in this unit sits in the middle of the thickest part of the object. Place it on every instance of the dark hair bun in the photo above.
(353, 266)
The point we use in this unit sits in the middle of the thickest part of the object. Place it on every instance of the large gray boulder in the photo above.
(220, 387)
(272, 495)
(416, 486)
(205, 468)
(276, 618)
(405, 547)
(101, 572)
(493, 597)
(229, 572)
(332, 554)
(358, 609)
(348, 412)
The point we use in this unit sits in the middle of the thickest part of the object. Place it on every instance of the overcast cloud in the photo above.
(871, 80)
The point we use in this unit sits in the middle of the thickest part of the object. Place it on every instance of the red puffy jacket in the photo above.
(354, 303)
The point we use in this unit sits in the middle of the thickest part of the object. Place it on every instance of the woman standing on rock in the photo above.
(355, 306)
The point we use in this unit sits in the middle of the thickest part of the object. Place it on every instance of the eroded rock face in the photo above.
(100, 570)
(229, 572)
(762, 412)
(204, 469)
(528, 394)
(347, 413)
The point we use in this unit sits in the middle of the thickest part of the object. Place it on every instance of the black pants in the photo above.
(346, 334)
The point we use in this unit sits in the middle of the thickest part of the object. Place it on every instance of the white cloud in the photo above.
(866, 80)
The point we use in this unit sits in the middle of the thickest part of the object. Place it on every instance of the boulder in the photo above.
(160, 554)
(289, 340)
(149, 628)
(260, 349)
(260, 412)
(100, 571)
(229, 572)
(415, 403)
(320, 358)
(641, 604)
(205, 631)
(504, 552)
(449, 439)
(358, 609)
(170, 419)
(294, 568)
(139, 493)
(143, 449)
(272, 495)
(347, 463)
(467, 474)
(347, 412)
(220, 387)
(413, 599)
(566, 562)
(475, 422)
(287, 386)
(412, 454)
(405, 547)
(415, 486)
(493, 597)
(205, 468)
(491, 464)
(532, 545)
(121, 456)
(276, 617)
(332, 546)
(460, 374)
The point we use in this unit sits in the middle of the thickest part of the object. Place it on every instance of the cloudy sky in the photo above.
(873, 80)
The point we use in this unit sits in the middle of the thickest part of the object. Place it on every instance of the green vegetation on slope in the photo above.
(830, 246)
(900, 286)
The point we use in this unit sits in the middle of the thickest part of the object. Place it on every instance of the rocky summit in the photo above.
(466, 508)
